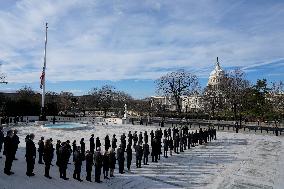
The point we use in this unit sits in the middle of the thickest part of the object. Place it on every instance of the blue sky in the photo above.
(129, 43)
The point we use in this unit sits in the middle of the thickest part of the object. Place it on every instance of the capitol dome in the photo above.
(216, 75)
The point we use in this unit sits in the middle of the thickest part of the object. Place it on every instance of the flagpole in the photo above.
(43, 79)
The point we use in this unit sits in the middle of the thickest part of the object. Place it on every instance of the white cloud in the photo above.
(114, 40)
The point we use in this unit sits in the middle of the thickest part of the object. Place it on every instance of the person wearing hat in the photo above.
(139, 154)
(106, 164)
(128, 156)
(40, 150)
(1, 139)
(113, 142)
(8, 152)
(98, 143)
(63, 156)
(107, 143)
(47, 157)
(89, 165)
(98, 165)
(30, 155)
(16, 142)
(112, 161)
(57, 147)
(78, 158)
(120, 159)
(92, 144)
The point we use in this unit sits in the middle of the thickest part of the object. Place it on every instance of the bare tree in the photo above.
(276, 96)
(234, 87)
(176, 84)
(213, 100)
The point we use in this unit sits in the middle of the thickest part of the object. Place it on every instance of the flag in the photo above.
(42, 78)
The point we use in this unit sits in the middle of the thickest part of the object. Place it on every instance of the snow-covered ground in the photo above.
(231, 161)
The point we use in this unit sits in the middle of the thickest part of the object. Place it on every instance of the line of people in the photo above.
(170, 139)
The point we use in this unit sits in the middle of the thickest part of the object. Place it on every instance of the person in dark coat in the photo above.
(135, 139)
(16, 142)
(123, 141)
(107, 143)
(74, 146)
(152, 136)
(166, 147)
(92, 144)
(57, 147)
(2, 138)
(47, 157)
(120, 158)
(83, 147)
(78, 159)
(130, 138)
(146, 137)
(140, 138)
(154, 153)
(98, 143)
(139, 155)
(68, 146)
(113, 142)
(63, 160)
(40, 150)
(112, 161)
(146, 152)
(30, 155)
(171, 145)
(89, 165)
(128, 156)
(98, 165)
(8, 152)
(106, 164)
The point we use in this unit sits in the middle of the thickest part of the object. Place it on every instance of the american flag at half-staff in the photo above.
(42, 78)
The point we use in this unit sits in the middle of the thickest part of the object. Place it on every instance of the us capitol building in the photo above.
(193, 102)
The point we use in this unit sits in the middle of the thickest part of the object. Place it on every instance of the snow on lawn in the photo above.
(231, 161)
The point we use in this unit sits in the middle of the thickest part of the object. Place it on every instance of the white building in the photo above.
(216, 76)
(193, 102)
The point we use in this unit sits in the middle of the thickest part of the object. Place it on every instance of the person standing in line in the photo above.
(63, 160)
(139, 154)
(130, 138)
(98, 143)
(78, 159)
(8, 152)
(83, 147)
(98, 165)
(47, 157)
(30, 155)
(146, 152)
(57, 147)
(89, 165)
(16, 142)
(123, 141)
(113, 142)
(112, 161)
(40, 150)
(1, 139)
(146, 137)
(128, 156)
(106, 164)
(140, 138)
(166, 147)
(171, 145)
(92, 144)
(135, 139)
(107, 143)
(68, 146)
(120, 158)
